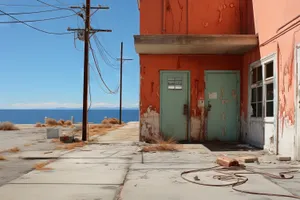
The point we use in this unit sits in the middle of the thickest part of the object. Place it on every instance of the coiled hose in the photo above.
(230, 173)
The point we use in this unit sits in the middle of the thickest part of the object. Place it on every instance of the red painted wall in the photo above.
(150, 76)
(191, 16)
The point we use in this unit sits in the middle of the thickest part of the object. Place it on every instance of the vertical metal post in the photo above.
(121, 76)
(86, 71)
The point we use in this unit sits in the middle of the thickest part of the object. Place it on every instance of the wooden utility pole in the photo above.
(86, 70)
(86, 31)
(121, 81)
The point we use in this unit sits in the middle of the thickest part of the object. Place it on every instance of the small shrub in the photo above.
(110, 121)
(61, 122)
(38, 125)
(68, 123)
(8, 126)
(71, 146)
(51, 122)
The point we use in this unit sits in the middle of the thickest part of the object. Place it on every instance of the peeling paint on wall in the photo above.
(149, 123)
(195, 128)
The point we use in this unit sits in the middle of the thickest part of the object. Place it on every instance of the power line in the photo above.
(47, 32)
(103, 55)
(99, 72)
(54, 6)
(90, 93)
(33, 12)
(97, 80)
(104, 48)
(60, 2)
(37, 20)
(22, 5)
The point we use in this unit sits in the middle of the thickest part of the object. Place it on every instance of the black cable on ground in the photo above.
(239, 178)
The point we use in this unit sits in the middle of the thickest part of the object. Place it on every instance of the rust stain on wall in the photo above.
(286, 113)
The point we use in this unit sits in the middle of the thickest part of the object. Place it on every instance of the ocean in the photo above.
(95, 116)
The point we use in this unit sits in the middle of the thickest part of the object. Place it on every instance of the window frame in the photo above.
(263, 83)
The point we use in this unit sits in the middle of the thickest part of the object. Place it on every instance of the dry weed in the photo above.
(51, 122)
(98, 129)
(162, 145)
(13, 150)
(70, 146)
(2, 158)
(8, 126)
(41, 166)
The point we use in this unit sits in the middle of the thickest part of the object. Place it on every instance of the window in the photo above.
(175, 83)
(257, 92)
(262, 90)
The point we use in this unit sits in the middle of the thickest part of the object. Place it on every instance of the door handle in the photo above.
(209, 106)
(185, 109)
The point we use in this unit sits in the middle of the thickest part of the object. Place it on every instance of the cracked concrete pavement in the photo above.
(111, 168)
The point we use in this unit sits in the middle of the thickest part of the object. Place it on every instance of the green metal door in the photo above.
(222, 97)
(174, 105)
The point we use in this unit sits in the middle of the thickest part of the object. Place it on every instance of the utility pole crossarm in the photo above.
(92, 7)
(124, 59)
(91, 30)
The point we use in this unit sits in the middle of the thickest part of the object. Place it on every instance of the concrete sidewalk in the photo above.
(113, 169)
(93, 172)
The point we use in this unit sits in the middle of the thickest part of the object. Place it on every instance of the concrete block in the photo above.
(283, 158)
(248, 159)
(53, 133)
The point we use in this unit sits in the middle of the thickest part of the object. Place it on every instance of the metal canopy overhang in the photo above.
(195, 44)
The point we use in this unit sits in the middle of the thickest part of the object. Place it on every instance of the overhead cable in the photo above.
(26, 24)
(36, 20)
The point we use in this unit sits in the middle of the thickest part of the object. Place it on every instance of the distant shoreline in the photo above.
(32, 116)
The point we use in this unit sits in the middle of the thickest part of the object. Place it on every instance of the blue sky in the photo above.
(46, 71)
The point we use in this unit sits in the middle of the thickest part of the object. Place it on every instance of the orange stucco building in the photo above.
(221, 70)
